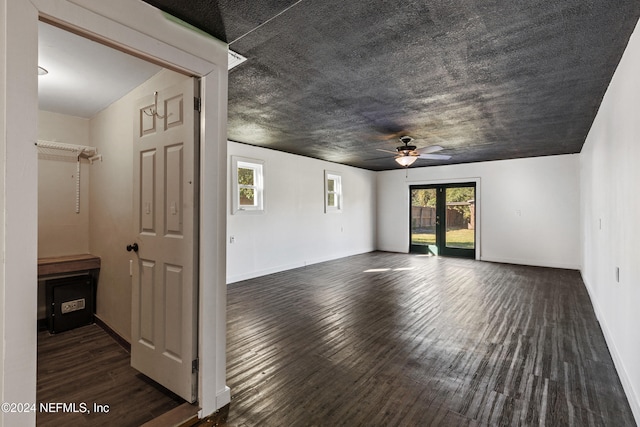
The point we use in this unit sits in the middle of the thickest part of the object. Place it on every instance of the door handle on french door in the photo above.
(133, 248)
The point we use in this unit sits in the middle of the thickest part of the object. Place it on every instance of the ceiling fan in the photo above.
(407, 154)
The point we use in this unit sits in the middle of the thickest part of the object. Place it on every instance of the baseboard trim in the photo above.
(531, 263)
(223, 398)
(113, 334)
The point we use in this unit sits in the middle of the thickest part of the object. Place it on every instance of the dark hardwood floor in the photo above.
(86, 365)
(422, 341)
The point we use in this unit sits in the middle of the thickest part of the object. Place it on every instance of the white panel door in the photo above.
(163, 322)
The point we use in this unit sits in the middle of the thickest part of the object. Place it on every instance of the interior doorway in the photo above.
(443, 219)
(86, 204)
(135, 27)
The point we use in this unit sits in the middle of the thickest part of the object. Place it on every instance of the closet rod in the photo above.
(79, 149)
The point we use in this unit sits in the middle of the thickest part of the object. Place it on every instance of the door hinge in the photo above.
(196, 104)
(195, 365)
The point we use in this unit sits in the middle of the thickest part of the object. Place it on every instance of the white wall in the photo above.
(544, 190)
(610, 207)
(62, 231)
(294, 230)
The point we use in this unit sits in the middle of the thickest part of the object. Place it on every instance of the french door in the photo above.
(443, 219)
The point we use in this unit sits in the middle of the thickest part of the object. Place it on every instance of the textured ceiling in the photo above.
(489, 80)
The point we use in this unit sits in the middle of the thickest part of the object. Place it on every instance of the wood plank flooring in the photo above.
(86, 365)
(419, 341)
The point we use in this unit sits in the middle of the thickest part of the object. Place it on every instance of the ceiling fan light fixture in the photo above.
(406, 161)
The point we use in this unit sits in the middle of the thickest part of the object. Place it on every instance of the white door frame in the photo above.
(135, 27)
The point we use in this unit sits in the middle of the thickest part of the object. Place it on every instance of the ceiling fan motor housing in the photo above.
(406, 149)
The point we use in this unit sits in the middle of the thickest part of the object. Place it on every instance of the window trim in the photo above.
(247, 163)
(337, 178)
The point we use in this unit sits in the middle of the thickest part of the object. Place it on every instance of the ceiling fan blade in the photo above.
(386, 151)
(435, 156)
(429, 149)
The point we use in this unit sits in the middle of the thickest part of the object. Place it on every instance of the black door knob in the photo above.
(133, 248)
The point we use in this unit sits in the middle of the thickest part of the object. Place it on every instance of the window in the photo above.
(333, 192)
(248, 190)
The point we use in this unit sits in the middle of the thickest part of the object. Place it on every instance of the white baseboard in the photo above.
(533, 263)
(223, 397)
(627, 385)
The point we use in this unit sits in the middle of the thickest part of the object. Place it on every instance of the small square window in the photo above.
(333, 192)
(248, 191)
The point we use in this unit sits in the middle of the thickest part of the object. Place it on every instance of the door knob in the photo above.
(133, 248)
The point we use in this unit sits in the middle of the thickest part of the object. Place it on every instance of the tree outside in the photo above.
(246, 181)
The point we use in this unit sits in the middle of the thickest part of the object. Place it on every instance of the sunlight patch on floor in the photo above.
(379, 270)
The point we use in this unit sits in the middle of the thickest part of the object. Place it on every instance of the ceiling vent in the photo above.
(235, 59)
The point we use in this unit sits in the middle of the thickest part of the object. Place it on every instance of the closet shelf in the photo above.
(78, 150)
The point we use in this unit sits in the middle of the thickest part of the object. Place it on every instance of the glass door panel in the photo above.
(460, 217)
(423, 219)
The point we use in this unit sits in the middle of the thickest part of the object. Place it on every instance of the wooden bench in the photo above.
(67, 264)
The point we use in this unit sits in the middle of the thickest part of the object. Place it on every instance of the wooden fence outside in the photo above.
(425, 217)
